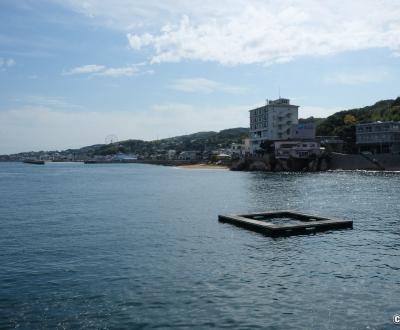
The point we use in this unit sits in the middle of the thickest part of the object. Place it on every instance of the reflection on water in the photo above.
(137, 246)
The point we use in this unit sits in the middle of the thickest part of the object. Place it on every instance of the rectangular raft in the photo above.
(285, 222)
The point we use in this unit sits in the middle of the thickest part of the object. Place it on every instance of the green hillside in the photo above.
(198, 141)
(385, 110)
(343, 123)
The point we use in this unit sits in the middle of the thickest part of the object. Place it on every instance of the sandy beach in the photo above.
(204, 167)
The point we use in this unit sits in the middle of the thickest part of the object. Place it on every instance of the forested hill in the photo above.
(197, 141)
(339, 122)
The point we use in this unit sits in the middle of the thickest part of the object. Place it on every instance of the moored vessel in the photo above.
(34, 161)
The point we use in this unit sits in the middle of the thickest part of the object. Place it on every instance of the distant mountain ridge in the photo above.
(340, 124)
(197, 142)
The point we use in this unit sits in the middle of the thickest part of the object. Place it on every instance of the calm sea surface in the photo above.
(139, 247)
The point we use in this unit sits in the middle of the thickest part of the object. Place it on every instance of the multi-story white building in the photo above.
(272, 122)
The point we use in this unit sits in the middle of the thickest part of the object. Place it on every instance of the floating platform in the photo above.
(285, 222)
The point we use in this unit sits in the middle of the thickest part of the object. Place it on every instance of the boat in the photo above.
(34, 161)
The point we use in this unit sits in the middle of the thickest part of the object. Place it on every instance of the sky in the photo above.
(73, 72)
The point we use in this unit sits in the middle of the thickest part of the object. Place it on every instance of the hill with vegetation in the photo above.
(197, 142)
(385, 110)
(343, 123)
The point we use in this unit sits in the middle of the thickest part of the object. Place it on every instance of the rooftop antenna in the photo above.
(279, 89)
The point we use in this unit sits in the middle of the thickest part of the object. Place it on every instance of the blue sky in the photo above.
(73, 72)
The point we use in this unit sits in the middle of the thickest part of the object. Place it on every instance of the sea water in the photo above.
(139, 246)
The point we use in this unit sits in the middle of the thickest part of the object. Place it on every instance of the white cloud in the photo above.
(10, 62)
(119, 72)
(54, 102)
(90, 68)
(127, 15)
(265, 33)
(358, 77)
(101, 70)
(249, 31)
(204, 86)
(6, 63)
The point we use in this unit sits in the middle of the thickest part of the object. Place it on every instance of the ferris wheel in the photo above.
(110, 139)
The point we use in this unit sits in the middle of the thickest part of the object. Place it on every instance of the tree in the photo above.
(349, 119)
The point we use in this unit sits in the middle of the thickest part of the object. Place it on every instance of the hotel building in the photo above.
(273, 121)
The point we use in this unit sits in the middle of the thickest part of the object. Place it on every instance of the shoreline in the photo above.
(203, 167)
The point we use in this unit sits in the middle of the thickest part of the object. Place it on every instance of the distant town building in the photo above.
(223, 157)
(121, 156)
(190, 155)
(239, 150)
(236, 150)
(378, 137)
(272, 122)
(296, 149)
(171, 154)
(247, 145)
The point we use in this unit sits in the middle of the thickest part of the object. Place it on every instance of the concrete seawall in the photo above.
(378, 162)
(389, 162)
(331, 161)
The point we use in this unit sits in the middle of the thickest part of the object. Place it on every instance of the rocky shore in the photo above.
(324, 162)
(269, 163)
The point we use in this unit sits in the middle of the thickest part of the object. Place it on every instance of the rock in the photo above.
(312, 166)
(323, 166)
(258, 166)
(278, 167)
(241, 165)
(285, 166)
